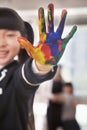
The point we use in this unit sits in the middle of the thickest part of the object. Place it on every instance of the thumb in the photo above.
(25, 44)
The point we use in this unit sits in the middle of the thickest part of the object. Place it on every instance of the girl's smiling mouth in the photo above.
(3, 54)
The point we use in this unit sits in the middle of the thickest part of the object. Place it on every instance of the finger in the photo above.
(60, 28)
(26, 44)
(50, 18)
(60, 55)
(70, 35)
(41, 24)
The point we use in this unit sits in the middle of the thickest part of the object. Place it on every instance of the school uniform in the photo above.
(18, 84)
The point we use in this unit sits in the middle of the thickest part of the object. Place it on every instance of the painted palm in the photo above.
(51, 45)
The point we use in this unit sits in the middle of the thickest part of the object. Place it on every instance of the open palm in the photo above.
(51, 45)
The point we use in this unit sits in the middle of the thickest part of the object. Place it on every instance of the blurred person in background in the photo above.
(69, 102)
(54, 108)
(69, 108)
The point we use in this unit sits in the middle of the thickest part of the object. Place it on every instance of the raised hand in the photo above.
(51, 45)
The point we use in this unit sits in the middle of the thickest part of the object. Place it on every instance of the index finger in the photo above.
(41, 24)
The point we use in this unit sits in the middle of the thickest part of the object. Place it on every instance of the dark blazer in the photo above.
(18, 84)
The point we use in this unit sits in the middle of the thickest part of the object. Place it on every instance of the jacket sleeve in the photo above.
(32, 78)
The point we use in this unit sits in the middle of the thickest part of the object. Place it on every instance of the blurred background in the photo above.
(74, 60)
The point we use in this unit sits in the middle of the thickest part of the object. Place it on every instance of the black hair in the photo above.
(9, 19)
(68, 84)
(57, 86)
(29, 31)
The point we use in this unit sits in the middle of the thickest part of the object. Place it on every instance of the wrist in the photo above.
(43, 68)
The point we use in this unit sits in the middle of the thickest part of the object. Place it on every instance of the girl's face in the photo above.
(9, 46)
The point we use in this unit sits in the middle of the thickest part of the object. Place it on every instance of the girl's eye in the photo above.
(11, 35)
